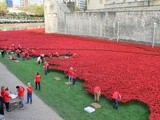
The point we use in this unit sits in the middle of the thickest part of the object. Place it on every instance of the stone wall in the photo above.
(127, 25)
(95, 4)
(105, 4)
(136, 24)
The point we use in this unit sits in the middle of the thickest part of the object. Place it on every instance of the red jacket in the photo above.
(70, 72)
(29, 89)
(13, 58)
(18, 51)
(38, 78)
(46, 66)
(116, 95)
(6, 97)
(74, 75)
(97, 89)
(23, 54)
(21, 91)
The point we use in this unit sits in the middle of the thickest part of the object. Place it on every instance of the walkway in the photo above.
(38, 110)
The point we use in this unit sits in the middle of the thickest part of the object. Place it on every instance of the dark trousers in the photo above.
(3, 53)
(1, 106)
(39, 85)
(46, 72)
(74, 81)
(29, 98)
(18, 55)
(115, 104)
(7, 105)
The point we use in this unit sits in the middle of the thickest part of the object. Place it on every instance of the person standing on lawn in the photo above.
(20, 90)
(29, 93)
(38, 80)
(69, 74)
(116, 97)
(6, 99)
(46, 68)
(97, 93)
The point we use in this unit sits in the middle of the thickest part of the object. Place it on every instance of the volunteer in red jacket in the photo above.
(29, 93)
(20, 90)
(46, 68)
(23, 54)
(69, 73)
(116, 97)
(6, 99)
(38, 80)
(97, 93)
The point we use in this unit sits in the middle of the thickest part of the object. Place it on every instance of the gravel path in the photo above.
(38, 110)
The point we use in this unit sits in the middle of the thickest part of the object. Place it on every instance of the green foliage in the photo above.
(3, 7)
(35, 10)
(22, 14)
(69, 101)
(77, 8)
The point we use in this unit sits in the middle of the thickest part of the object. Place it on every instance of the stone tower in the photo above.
(51, 13)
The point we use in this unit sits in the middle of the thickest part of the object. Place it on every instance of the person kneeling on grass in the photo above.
(116, 96)
(97, 93)
(12, 57)
(20, 90)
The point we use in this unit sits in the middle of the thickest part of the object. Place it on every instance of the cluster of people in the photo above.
(6, 96)
(18, 51)
(71, 74)
(41, 61)
(116, 96)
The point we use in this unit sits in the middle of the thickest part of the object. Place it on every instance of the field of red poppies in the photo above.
(131, 69)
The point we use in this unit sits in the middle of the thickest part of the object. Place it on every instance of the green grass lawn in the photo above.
(69, 102)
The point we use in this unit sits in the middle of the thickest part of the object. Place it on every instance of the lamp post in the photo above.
(154, 33)
(117, 31)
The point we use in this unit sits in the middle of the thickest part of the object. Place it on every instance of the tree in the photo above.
(77, 8)
(3, 8)
(35, 10)
(39, 10)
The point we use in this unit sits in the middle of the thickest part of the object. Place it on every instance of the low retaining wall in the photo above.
(20, 26)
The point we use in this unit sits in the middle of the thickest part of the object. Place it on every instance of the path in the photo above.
(38, 110)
